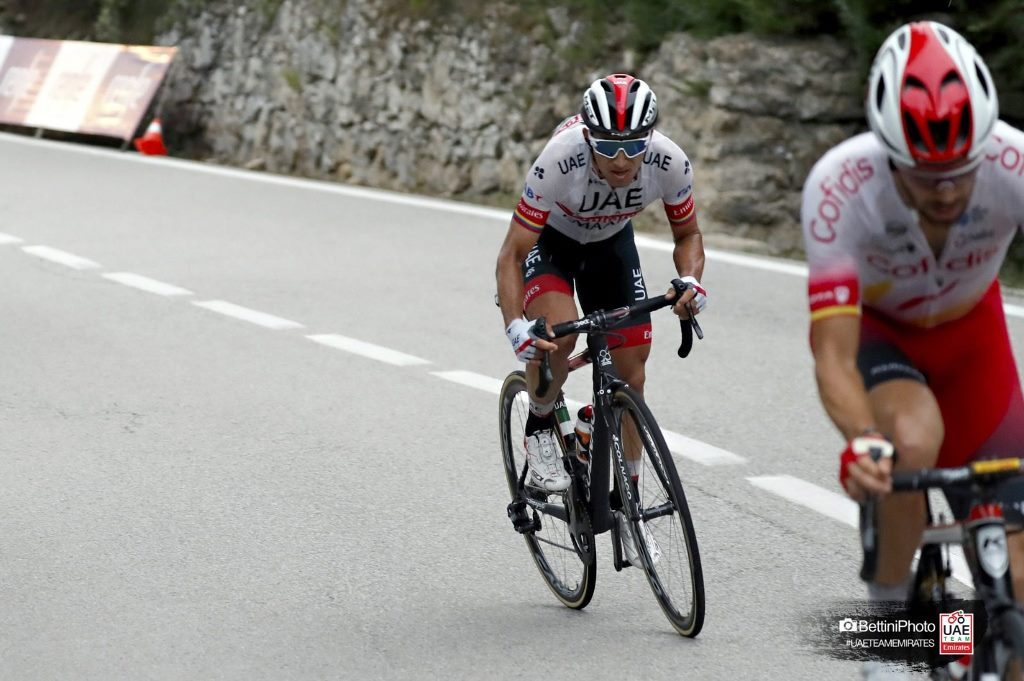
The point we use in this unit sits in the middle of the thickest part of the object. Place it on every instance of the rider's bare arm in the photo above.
(834, 342)
(688, 254)
(517, 244)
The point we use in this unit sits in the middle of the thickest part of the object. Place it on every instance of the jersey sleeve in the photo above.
(677, 185)
(833, 284)
(538, 197)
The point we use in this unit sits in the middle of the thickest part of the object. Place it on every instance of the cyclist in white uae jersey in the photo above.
(572, 228)
(565, 192)
(905, 229)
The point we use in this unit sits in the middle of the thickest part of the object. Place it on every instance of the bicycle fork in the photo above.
(989, 557)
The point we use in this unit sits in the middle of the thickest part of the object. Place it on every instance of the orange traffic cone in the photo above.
(152, 143)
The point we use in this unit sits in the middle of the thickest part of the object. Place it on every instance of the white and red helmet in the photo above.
(930, 99)
(619, 105)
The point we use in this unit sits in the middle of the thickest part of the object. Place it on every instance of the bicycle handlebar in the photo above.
(982, 473)
(599, 321)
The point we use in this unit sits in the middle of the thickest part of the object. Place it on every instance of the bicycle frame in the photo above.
(603, 441)
(605, 381)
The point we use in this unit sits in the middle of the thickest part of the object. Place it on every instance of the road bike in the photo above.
(560, 527)
(999, 654)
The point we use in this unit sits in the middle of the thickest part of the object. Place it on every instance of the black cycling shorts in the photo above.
(606, 274)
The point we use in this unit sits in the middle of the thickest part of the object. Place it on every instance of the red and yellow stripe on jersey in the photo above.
(529, 217)
(834, 293)
(681, 213)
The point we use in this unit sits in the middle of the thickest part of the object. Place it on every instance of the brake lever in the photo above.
(687, 327)
(694, 323)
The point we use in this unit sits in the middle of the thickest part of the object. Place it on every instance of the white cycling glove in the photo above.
(700, 294)
(520, 335)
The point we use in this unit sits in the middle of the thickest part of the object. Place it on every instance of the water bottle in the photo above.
(584, 429)
(564, 424)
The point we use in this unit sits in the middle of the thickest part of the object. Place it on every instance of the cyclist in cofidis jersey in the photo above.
(572, 228)
(905, 228)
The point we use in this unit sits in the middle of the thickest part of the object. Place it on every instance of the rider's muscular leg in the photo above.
(555, 307)
(630, 363)
(1015, 545)
(907, 412)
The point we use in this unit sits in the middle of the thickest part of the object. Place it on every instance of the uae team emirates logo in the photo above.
(956, 633)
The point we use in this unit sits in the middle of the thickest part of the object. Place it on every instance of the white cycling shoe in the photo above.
(629, 550)
(547, 470)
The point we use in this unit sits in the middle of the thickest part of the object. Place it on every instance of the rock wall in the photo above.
(353, 92)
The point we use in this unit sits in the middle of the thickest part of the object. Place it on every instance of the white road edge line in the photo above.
(841, 508)
(146, 284)
(9, 239)
(358, 347)
(61, 257)
(680, 445)
(245, 314)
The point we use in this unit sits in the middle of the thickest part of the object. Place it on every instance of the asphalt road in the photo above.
(188, 494)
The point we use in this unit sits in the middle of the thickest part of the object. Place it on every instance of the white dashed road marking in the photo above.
(365, 349)
(61, 257)
(472, 380)
(834, 505)
(245, 314)
(698, 451)
(9, 239)
(146, 284)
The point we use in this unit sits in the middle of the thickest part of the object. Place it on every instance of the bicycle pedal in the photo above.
(520, 517)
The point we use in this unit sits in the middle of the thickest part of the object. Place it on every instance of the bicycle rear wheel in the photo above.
(676, 577)
(550, 541)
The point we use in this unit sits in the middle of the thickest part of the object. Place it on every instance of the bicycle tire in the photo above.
(1008, 642)
(662, 502)
(571, 579)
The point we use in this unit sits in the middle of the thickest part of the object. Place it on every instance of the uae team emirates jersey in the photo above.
(564, 191)
(865, 246)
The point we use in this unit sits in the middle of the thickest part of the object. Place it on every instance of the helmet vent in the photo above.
(880, 94)
(901, 40)
(982, 80)
(914, 83)
(942, 33)
(916, 139)
(940, 133)
(963, 135)
(952, 78)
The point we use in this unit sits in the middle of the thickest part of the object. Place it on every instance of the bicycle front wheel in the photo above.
(550, 541)
(669, 552)
(1007, 634)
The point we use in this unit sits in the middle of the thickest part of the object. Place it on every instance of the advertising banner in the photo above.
(72, 86)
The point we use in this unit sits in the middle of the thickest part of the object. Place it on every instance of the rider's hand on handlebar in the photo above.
(525, 343)
(865, 466)
(696, 296)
